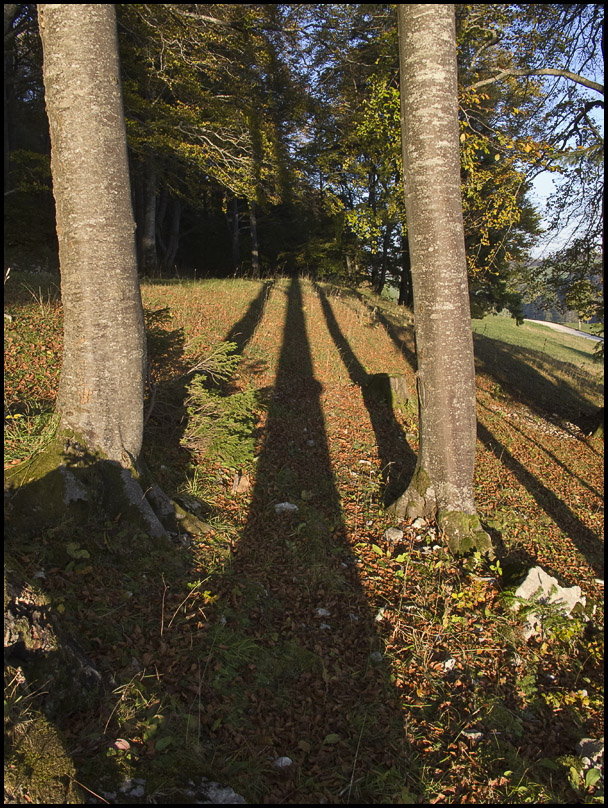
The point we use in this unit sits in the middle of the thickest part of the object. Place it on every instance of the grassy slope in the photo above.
(565, 348)
(221, 658)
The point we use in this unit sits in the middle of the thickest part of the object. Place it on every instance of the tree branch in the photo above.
(542, 71)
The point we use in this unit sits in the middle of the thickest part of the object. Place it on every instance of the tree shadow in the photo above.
(550, 454)
(403, 337)
(73, 559)
(532, 378)
(398, 461)
(242, 332)
(528, 376)
(584, 539)
(165, 410)
(314, 665)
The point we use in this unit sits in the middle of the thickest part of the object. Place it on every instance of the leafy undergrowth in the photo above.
(384, 672)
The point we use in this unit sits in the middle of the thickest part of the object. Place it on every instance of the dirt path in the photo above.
(557, 327)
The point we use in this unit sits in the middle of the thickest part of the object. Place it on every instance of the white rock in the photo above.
(283, 762)
(210, 793)
(591, 749)
(419, 522)
(538, 582)
(285, 507)
(323, 613)
(393, 534)
(449, 664)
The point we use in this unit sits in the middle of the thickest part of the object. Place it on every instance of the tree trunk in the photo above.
(385, 242)
(148, 241)
(406, 297)
(101, 390)
(173, 245)
(10, 12)
(255, 253)
(372, 205)
(91, 466)
(443, 481)
(235, 229)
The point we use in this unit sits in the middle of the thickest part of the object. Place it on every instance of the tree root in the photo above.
(68, 481)
(463, 531)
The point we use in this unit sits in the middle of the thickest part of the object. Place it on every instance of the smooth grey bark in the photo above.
(101, 389)
(443, 480)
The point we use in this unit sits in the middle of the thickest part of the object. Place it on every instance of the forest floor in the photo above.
(298, 656)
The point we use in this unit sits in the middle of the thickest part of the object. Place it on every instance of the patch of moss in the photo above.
(464, 533)
(421, 481)
(502, 719)
(37, 767)
(66, 481)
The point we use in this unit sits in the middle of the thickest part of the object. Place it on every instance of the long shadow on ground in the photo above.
(296, 648)
(517, 371)
(242, 332)
(525, 383)
(397, 459)
(585, 539)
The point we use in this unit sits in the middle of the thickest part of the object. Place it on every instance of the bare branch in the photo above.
(541, 71)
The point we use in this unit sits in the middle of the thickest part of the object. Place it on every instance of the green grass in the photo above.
(560, 346)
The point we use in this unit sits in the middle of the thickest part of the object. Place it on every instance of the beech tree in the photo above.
(442, 484)
(102, 378)
(95, 456)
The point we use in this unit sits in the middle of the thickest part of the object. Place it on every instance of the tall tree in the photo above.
(101, 390)
(546, 62)
(95, 456)
(443, 480)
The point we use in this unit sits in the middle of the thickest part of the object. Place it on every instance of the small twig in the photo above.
(162, 609)
(99, 797)
(352, 776)
(192, 591)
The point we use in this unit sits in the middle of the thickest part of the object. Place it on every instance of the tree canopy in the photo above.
(267, 138)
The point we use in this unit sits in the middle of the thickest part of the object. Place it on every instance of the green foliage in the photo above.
(219, 362)
(221, 425)
(32, 171)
